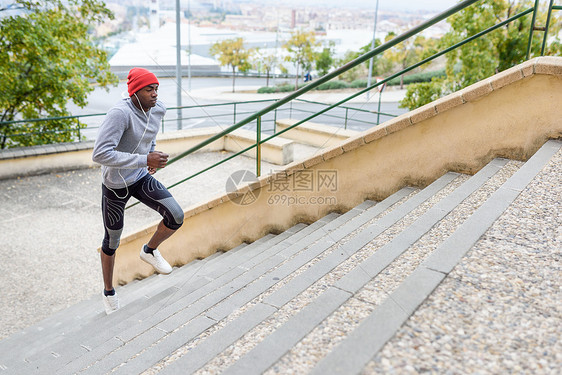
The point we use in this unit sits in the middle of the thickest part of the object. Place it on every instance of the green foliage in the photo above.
(333, 85)
(325, 59)
(358, 84)
(267, 90)
(47, 59)
(264, 61)
(232, 53)
(355, 73)
(487, 55)
(330, 85)
(281, 88)
(422, 93)
(301, 51)
(408, 52)
(381, 64)
(423, 77)
(417, 77)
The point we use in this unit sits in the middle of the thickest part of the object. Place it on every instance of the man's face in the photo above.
(147, 96)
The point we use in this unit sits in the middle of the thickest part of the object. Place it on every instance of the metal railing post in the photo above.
(345, 124)
(234, 113)
(535, 9)
(78, 126)
(258, 146)
(275, 121)
(379, 109)
(546, 27)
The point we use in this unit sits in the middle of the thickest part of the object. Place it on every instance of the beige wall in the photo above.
(313, 134)
(510, 115)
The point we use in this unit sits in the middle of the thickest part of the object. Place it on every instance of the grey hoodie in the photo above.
(119, 147)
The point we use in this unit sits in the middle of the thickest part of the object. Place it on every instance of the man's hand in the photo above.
(156, 160)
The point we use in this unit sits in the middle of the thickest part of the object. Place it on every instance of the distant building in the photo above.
(154, 17)
(293, 18)
(156, 51)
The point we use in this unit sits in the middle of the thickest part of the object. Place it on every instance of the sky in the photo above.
(430, 5)
(409, 4)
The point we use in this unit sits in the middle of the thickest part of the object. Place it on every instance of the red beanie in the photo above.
(139, 78)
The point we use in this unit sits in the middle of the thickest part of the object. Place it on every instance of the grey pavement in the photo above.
(496, 312)
(248, 92)
(52, 222)
(52, 226)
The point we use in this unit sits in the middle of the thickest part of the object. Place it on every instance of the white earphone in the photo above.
(147, 115)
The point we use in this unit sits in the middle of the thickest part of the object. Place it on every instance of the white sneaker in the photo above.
(111, 303)
(156, 261)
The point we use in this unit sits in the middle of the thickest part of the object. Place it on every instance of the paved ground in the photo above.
(224, 93)
(500, 310)
(503, 300)
(52, 227)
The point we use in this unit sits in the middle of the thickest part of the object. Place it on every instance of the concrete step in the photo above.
(349, 281)
(62, 324)
(285, 337)
(362, 344)
(253, 261)
(133, 298)
(71, 319)
(337, 229)
(188, 304)
(76, 346)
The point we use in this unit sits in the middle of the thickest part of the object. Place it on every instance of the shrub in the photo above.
(418, 77)
(266, 90)
(333, 85)
(422, 93)
(359, 84)
(285, 88)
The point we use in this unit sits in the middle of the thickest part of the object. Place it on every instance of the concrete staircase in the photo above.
(336, 290)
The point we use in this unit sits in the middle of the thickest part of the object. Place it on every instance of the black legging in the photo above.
(147, 190)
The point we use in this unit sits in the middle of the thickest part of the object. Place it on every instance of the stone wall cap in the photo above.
(31, 151)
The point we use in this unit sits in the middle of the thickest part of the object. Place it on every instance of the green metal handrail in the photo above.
(382, 82)
(164, 120)
(346, 67)
(257, 116)
(361, 59)
(318, 82)
(547, 26)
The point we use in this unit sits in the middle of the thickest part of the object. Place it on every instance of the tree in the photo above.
(325, 59)
(232, 53)
(408, 52)
(352, 74)
(264, 60)
(301, 51)
(47, 59)
(485, 56)
(381, 65)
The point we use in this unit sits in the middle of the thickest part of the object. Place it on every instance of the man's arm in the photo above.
(109, 136)
(156, 160)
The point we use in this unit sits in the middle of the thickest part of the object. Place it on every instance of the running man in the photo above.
(125, 147)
